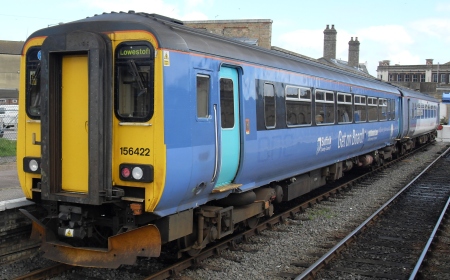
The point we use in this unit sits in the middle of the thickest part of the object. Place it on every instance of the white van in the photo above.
(9, 115)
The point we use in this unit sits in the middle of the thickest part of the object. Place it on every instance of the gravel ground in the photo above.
(300, 240)
(314, 232)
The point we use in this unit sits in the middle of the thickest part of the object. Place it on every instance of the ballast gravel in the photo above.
(288, 248)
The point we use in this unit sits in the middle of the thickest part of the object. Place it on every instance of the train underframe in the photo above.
(121, 231)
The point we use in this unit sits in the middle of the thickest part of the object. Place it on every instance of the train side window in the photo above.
(33, 84)
(203, 85)
(344, 108)
(372, 109)
(324, 107)
(227, 103)
(382, 109)
(134, 81)
(360, 108)
(391, 105)
(298, 106)
(269, 105)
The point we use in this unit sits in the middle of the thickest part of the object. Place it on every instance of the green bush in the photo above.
(7, 147)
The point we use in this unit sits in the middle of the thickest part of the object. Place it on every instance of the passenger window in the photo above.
(372, 109)
(227, 103)
(344, 107)
(269, 106)
(382, 109)
(392, 109)
(324, 107)
(360, 108)
(298, 106)
(203, 82)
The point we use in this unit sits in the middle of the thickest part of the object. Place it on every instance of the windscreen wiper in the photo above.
(137, 77)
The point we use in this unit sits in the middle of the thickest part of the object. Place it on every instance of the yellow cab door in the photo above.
(74, 123)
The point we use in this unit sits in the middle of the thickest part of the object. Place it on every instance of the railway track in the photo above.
(392, 243)
(14, 236)
(232, 242)
(271, 224)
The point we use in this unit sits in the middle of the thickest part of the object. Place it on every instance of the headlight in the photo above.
(137, 173)
(32, 165)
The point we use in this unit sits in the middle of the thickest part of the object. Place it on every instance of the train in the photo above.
(136, 131)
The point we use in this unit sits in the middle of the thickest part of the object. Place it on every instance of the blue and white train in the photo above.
(136, 131)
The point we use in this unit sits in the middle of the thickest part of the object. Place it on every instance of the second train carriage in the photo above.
(139, 131)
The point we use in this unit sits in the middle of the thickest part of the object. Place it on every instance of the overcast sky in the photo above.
(404, 32)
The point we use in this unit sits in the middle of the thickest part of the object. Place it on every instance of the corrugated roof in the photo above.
(11, 47)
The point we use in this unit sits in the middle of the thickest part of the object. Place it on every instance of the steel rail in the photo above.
(314, 268)
(430, 240)
(172, 270)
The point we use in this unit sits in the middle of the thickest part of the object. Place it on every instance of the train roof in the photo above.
(172, 34)
(416, 94)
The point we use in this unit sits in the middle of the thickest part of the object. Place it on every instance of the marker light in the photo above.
(142, 173)
(33, 165)
(126, 172)
(137, 173)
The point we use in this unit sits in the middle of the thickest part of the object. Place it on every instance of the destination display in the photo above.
(134, 52)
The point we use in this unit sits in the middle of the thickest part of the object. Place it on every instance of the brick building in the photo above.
(253, 31)
(9, 71)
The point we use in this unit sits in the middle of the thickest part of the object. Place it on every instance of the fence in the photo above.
(8, 133)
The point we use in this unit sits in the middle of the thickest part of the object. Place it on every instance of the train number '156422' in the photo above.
(130, 151)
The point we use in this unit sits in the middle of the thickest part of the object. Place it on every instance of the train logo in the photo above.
(323, 144)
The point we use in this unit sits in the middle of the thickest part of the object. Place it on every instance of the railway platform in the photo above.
(11, 195)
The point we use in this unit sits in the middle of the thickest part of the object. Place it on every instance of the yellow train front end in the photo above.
(90, 146)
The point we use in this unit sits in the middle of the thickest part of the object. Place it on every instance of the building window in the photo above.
(415, 78)
(435, 78)
(406, 78)
(422, 78)
(442, 80)
(391, 77)
(399, 78)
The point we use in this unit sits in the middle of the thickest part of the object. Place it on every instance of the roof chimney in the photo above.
(353, 53)
(329, 43)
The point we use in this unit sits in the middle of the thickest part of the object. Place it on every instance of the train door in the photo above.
(74, 123)
(76, 118)
(229, 126)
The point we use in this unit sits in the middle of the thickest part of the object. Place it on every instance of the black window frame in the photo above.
(302, 118)
(148, 61)
(32, 66)
(267, 108)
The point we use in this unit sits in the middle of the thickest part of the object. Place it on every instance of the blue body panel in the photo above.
(265, 156)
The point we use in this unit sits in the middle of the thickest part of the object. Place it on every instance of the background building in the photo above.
(9, 71)
(253, 31)
(429, 78)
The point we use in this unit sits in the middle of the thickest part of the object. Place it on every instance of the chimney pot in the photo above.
(329, 44)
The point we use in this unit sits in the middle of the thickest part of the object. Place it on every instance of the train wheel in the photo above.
(252, 222)
(185, 244)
